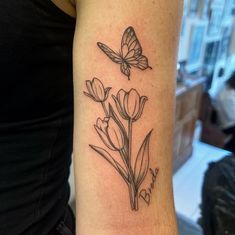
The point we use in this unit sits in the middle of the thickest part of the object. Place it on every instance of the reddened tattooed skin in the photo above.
(115, 127)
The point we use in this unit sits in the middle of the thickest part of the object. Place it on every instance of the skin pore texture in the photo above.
(124, 62)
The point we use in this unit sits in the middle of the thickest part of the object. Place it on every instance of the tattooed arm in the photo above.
(124, 80)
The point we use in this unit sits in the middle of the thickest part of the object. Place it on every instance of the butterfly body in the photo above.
(129, 55)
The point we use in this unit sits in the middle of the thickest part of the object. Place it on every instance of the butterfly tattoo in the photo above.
(129, 55)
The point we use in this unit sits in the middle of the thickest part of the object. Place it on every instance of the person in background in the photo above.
(226, 110)
(218, 198)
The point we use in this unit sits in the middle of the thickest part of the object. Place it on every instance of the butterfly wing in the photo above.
(130, 55)
(132, 50)
(115, 57)
(130, 46)
(141, 62)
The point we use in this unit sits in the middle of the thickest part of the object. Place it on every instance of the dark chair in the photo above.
(211, 133)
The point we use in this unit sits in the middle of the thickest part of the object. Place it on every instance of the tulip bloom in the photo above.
(96, 90)
(130, 104)
(110, 133)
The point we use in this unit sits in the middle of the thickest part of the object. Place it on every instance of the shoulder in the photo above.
(68, 6)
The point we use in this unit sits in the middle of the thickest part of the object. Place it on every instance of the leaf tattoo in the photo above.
(116, 135)
(112, 161)
(142, 161)
(129, 55)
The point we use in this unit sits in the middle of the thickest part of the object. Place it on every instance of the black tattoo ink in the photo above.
(115, 129)
(117, 138)
(145, 194)
(97, 92)
(129, 55)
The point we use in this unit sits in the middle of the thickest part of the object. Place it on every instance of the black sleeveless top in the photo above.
(36, 115)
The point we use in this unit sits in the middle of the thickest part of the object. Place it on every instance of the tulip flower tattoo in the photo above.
(115, 131)
(97, 92)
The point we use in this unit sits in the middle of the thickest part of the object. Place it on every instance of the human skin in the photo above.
(103, 201)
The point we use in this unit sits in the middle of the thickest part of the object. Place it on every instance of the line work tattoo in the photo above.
(129, 55)
(116, 132)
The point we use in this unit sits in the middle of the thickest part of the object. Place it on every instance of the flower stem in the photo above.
(105, 109)
(124, 159)
(131, 196)
(131, 184)
(130, 122)
(130, 141)
(133, 191)
(134, 198)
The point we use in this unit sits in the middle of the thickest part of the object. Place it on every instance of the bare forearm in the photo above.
(124, 117)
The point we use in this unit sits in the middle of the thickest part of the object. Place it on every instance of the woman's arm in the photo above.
(124, 86)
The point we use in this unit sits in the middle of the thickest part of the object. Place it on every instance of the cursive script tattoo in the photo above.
(118, 140)
(129, 55)
(145, 194)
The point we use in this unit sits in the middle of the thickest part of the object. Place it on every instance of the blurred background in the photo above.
(203, 161)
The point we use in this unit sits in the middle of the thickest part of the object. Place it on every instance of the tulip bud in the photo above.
(115, 134)
(96, 90)
(110, 133)
(129, 104)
